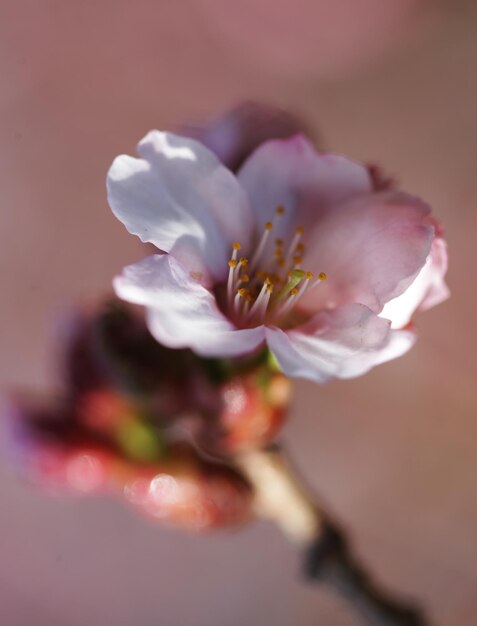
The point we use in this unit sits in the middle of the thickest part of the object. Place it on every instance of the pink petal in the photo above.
(181, 313)
(427, 290)
(179, 197)
(371, 248)
(291, 173)
(342, 343)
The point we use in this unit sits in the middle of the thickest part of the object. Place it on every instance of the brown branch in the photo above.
(281, 498)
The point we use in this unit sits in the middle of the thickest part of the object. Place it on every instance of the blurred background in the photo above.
(392, 454)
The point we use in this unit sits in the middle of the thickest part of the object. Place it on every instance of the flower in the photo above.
(299, 249)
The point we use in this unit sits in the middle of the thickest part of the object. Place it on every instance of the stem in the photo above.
(281, 498)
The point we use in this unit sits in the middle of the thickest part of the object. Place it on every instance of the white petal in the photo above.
(343, 343)
(427, 290)
(179, 197)
(181, 313)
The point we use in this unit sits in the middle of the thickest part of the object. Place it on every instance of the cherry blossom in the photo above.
(298, 250)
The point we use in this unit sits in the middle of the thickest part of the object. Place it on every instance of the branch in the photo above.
(281, 498)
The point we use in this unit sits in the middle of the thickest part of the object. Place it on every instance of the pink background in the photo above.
(393, 454)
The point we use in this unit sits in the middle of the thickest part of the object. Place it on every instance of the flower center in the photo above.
(267, 288)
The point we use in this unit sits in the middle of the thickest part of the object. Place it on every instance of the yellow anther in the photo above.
(279, 243)
(242, 292)
(293, 291)
(267, 281)
(309, 275)
(281, 262)
(245, 278)
(322, 276)
(232, 263)
(278, 252)
(300, 230)
(269, 289)
(244, 261)
(248, 298)
(261, 274)
(268, 226)
(297, 260)
(236, 246)
(300, 248)
(280, 210)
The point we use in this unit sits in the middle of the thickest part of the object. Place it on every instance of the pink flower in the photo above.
(298, 250)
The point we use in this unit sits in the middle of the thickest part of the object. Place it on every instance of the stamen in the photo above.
(304, 286)
(259, 308)
(260, 305)
(243, 263)
(292, 248)
(321, 278)
(235, 248)
(246, 306)
(231, 279)
(287, 305)
(261, 246)
(239, 300)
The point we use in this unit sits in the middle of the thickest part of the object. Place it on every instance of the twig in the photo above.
(280, 497)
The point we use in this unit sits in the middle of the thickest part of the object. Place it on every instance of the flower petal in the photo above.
(371, 248)
(179, 197)
(292, 174)
(427, 290)
(343, 343)
(234, 135)
(181, 313)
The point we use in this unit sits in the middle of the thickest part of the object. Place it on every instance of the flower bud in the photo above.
(234, 135)
(178, 488)
(254, 407)
(190, 493)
